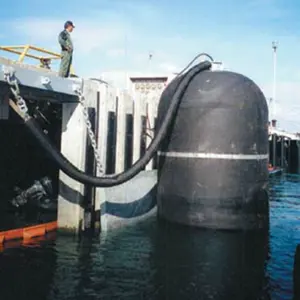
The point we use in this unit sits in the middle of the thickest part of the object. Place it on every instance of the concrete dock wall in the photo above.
(123, 123)
(124, 126)
(130, 202)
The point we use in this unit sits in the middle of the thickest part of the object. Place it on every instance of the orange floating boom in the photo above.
(27, 233)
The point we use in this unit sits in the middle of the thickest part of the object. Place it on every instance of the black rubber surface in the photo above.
(115, 179)
(224, 113)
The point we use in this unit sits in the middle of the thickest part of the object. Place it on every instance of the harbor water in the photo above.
(155, 260)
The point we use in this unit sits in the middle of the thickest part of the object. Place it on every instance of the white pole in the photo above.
(274, 46)
(126, 64)
(149, 62)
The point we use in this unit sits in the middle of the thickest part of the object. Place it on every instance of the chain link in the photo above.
(15, 89)
(90, 133)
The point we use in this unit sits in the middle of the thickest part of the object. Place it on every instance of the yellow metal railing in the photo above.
(23, 51)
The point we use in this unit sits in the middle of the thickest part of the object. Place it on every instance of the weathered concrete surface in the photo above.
(73, 147)
(71, 215)
(130, 202)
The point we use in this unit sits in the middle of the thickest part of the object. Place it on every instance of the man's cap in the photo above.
(69, 23)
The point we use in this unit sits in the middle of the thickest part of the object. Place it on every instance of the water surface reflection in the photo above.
(155, 260)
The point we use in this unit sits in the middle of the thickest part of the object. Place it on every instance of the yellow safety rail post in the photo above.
(23, 51)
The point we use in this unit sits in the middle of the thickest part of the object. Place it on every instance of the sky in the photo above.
(113, 38)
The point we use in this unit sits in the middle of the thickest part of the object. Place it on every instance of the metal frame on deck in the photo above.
(44, 84)
(23, 51)
(39, 85)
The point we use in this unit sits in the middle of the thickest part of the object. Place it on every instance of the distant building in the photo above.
(148, 85)
(152, 85)
(217, 66)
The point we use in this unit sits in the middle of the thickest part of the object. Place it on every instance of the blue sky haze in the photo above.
(114, 37)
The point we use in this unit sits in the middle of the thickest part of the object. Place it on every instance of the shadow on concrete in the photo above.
(69, 194)
(132, 209)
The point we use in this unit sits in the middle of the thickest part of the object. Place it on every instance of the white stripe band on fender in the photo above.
(214, 155)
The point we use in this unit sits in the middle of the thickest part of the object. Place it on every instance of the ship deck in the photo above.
(38, 83)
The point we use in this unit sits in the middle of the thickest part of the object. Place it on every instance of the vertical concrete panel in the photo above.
(102, 145)
(137, 126)
(73, 147)
(121, 127)
(150, 126)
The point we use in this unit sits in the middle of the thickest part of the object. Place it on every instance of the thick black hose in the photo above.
(116, 179)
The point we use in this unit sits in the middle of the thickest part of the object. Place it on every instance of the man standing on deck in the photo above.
(66, 44)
